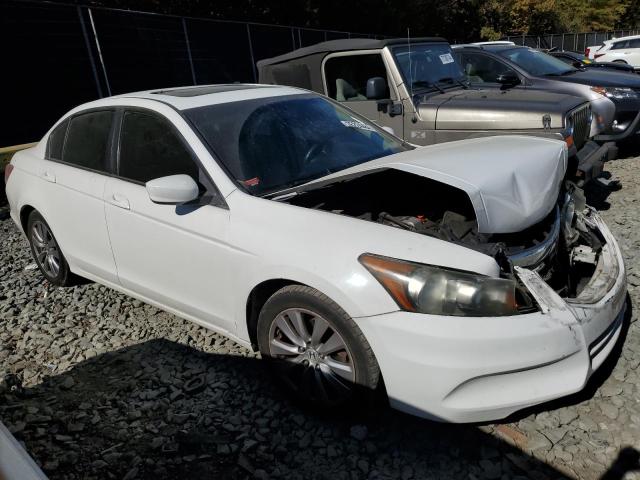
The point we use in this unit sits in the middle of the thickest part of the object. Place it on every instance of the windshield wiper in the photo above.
(426, 84)
(453, 80)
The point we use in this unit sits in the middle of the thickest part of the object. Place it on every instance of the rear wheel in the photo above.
(316, 351)
(46, 251)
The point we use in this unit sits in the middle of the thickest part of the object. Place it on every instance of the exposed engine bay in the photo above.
(563, 248)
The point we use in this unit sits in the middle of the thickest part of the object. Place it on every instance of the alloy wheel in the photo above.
(315, 359)
(46, 249)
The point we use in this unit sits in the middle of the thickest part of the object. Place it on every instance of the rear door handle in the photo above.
(49, 176)
(120, 201)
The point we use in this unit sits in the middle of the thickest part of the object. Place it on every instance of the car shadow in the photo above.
(628, 461)
(160, 409)
(597, 194)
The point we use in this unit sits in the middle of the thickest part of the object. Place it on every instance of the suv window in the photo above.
(635, 43)
(347, 76)
(620, 45)
(56, 141)
(87, 139)
(151, 148)
(480, 68)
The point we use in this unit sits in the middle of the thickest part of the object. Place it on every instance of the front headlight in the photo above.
(441, 291)
(618, 93)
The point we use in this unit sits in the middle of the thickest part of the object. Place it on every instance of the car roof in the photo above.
(613, 40)
(183, 98)
(494, 42)
(346, 44)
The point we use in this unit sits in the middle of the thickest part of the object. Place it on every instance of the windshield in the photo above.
(537, 63)
(270, 144)
(428, 65)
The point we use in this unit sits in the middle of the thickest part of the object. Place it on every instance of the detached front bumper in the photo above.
(464, 369)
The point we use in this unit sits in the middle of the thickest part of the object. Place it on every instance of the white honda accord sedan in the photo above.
(470, 276)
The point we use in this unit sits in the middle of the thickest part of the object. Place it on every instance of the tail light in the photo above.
(7, 172)
(586, 52)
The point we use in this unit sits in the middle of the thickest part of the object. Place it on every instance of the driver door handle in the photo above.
(119, 200)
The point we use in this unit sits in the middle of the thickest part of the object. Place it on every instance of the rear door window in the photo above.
(150, 147)
(87, 140)
(620, 45)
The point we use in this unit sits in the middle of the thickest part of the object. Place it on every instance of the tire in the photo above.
(313, 367)
(46, 251)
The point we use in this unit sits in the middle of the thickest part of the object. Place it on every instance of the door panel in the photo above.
(74, 178)
(174, 255)
(75, 212)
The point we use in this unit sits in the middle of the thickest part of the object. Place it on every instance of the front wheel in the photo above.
(315, 349)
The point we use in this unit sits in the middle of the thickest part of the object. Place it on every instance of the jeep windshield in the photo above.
(429, 66)
(537, 63)
(267, 145)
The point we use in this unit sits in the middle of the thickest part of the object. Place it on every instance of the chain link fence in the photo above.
(55, 56)
(575, 42)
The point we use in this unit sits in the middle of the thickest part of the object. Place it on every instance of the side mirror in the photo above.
(376, 88)
(174, 189)
(508, 79)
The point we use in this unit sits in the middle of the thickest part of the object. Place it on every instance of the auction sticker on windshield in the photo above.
(356, 124)
(446, 58)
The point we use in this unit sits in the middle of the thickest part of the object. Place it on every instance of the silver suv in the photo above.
(421, 92)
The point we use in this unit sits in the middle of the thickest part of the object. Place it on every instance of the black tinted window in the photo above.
(634, 43)
(270, 144)
(150, 148)
(480, 68)
(87, 139)
(56, 141)
(347, 76)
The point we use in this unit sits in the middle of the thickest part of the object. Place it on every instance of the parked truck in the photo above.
(418, 90)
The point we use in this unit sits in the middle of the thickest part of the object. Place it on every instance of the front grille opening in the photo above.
(581, 119)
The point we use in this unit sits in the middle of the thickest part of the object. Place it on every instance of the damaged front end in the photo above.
(566, 249)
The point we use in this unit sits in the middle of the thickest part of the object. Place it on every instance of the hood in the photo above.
(513, 181)
(601, 78)
(495, 109)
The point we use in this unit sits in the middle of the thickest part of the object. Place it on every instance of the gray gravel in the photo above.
(98, 385)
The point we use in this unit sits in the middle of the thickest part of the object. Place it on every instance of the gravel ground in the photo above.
(98, 385)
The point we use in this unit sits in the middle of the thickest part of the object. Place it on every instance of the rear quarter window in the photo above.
(56, 141)
(87, 139)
